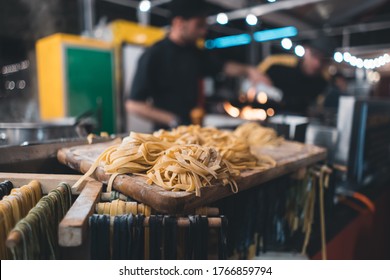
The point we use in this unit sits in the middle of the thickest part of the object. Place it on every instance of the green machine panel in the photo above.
(90, 85)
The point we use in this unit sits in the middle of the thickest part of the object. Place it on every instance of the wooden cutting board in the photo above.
(290, 156)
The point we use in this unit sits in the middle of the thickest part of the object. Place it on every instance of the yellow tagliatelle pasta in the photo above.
(233, 148)
(257, 135)
(189, 167)
(136, 153)
(184, 159)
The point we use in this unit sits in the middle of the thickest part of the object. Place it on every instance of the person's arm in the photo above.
(235, 69)
(148, 111)
(212, 65)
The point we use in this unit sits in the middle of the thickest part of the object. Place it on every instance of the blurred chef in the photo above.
(167, 83)
(301, 80)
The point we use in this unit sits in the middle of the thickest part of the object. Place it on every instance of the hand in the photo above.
(174, 122)
(255, 76)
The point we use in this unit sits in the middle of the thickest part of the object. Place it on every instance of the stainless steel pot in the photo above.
(24, 133)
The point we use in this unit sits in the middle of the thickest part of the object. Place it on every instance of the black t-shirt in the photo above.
(170, 74)
(299, 90)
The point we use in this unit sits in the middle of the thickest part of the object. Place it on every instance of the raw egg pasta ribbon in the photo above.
(189, 168)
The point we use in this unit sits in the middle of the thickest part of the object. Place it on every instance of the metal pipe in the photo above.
(88, 17)
(135, 4)
(346, 38)
(263, 9)
(356, 28)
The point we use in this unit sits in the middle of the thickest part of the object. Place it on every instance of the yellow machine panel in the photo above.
(76, 77)
(133, 33)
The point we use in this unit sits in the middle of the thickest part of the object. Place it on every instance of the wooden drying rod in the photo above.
(206, 211)
(185, 222)
(48, 182)
(71, 230)
(214, 222)
(106, 197)
(73, 227)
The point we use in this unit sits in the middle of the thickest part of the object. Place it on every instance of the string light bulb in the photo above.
(299, 51)
(286, 43)
(251, 19)
(145, 5)
(368, 63)
(222, 18)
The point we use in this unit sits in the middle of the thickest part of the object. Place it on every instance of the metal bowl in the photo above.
(25, 133)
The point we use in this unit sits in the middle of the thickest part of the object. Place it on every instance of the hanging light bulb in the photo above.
(251, 19)
(368, 63)
(347, 56)
(286, 43)
(359, 63)
(338, 57)
(222, 18)
(299, 50)
(145, 5)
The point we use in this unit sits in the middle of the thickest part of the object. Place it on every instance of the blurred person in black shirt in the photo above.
(301, 80)
(337, 87)
(167, 83)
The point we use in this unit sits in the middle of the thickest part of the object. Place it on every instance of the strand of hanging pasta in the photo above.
(39, 228)
(185, 158)
(14, 207)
